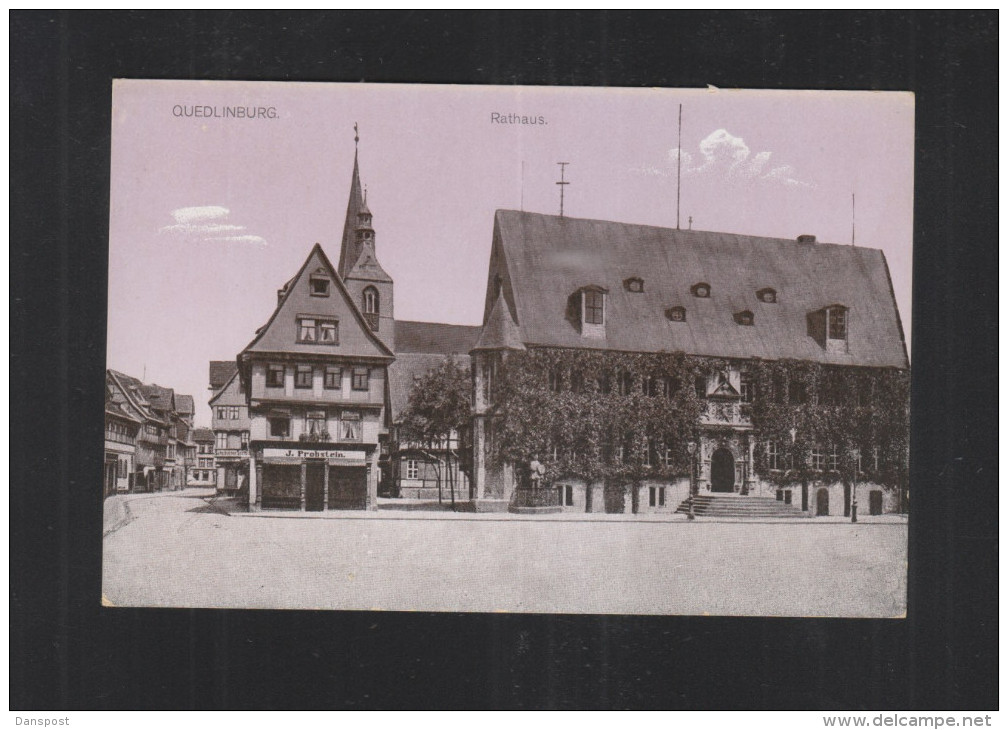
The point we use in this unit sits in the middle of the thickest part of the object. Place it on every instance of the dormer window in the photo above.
(829, 327)
(319, 286)
(836, 323)
(587, 308)
(594, 307)
(744, 318)
(767, 295)
(676, 314)
(634, 284)
(701, 290)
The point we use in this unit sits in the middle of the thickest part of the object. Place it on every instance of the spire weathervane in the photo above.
(561, 182)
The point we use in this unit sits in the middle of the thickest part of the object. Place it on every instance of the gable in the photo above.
(229, 395)
(280, 333)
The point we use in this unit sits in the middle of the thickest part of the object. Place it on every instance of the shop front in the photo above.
(312, 479)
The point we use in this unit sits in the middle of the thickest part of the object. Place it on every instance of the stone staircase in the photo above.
(740, 507)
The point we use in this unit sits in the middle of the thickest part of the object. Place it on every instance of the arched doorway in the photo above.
(722, 471)
(822, 502)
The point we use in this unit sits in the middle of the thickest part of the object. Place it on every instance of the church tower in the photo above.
(368, 283)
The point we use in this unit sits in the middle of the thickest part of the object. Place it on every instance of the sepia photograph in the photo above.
(516, 349)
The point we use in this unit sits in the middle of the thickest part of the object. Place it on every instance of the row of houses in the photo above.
(618, 368)
(151, 444)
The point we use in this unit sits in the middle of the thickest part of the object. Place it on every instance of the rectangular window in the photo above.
(594, 307)
(221, 440)
(306, 329)
(315, 422)
(328, 332)
(279, 427)
(669, 387)
(625, 381)
(565, 495)
(244, 439)
(333, 378)
(350, 426)
(361, 378)
(818, 458)
(555, 380)
(412, 469)
(661, 496)
(487, 372)
(121, 469)
(773, 455)
(747, 388)
(319, 286)
(652, 496)
(303, 376)
(837, 324)
(700, 386)
(668, 455)
(833, 458)
(275, 376)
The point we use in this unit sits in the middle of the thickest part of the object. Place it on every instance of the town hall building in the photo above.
(626, 361)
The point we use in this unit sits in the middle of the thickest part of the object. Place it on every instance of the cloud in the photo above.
(208, 223)
(723, 155)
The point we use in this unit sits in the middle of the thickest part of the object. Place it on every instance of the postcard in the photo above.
(521, 349)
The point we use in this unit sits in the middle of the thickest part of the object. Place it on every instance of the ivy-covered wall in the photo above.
(583, 405)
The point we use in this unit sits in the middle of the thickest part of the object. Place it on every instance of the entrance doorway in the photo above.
(722, 471)
(875, 502)
(822, 502)
(314, 486)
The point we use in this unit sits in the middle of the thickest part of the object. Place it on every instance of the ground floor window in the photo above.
(565, 495)
(122, 469)
(656, 496)
(281, 487)
(412, 469)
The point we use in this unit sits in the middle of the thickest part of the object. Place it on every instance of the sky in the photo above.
(210, 215)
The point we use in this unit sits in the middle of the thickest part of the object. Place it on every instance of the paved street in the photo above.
(179, 549)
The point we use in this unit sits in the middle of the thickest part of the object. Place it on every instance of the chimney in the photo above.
(806, 238)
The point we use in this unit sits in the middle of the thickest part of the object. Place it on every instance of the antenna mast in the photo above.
(561, 182)
(678, 180)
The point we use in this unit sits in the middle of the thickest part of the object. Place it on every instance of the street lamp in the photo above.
(691, 448)
(853, 507)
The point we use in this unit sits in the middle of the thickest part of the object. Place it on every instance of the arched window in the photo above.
(372, 307)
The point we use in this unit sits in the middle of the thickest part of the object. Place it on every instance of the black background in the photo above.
(68, 652)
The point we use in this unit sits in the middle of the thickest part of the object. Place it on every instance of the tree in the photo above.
(439, 406)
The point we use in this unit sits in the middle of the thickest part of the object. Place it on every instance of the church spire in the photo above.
(349, 250)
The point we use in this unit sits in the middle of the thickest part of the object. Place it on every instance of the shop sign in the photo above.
(327, 454)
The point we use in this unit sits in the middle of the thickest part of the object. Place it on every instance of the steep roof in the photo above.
(202, 435)
(500, 331)
(348, 252)
(434, 337)
(221, 372)
(367, 266)
(184, 404)
(161, 398)
(133, 391)
(279, 334)
(542, 260)
(407, 369)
